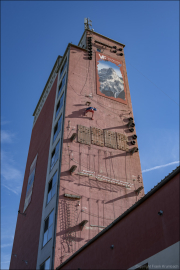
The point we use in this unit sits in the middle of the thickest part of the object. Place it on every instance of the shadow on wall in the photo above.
(80, 105)
(100, 185)
(65, 173)
(119, 155)
(77, 114)
(115, 127)
(80, 114)
(69, 231)
(131, 194)
(66, 140)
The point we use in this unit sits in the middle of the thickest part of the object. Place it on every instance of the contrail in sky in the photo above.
(161, 166)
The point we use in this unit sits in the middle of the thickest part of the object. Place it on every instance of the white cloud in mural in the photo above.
(106, 64)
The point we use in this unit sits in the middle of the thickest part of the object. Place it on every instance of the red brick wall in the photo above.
(101, 202)
(26, 238)
(139, 235)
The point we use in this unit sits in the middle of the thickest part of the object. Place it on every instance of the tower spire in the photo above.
(88, 24)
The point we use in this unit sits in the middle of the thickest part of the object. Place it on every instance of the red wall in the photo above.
(139, 235)
(26, 238)
(101, 202)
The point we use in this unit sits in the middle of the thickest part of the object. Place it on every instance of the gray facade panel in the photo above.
(47, 250)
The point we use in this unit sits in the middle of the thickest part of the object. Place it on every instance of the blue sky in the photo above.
(34, 33)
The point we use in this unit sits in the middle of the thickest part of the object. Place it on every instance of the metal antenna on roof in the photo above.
(88, 24)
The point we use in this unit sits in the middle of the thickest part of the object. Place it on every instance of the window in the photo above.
(55, 154)
(57, 128)
(30, 184)
(63, 67)
(52, 187)
(62, 85)
(48, 226)
(45, 265)
(60, 104)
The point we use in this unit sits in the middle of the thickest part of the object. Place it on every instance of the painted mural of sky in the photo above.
(107, 64)
(34, 33)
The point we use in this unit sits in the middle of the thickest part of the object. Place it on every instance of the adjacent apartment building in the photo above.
(83, 167)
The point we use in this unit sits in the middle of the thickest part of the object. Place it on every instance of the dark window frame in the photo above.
(42, 266)
(60, 104)
(48, 228)
(62, 83)
(63, 67)
(49, 198)
(55, 155)
(57, 128)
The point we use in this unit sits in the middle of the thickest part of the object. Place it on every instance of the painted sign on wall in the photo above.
(30, 184)
(110, 78)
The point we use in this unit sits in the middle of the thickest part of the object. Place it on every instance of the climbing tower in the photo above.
(83, 168)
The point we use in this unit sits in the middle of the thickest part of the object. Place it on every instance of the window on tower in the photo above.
(55, 155)
(62, 84)
(63, 67)
(52, 187)
(57, 128)
(60, 104)
(30, 184)
(45, 265)
(48, 228)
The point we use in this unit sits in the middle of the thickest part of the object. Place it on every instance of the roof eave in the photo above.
(46, 84)
(105, 37)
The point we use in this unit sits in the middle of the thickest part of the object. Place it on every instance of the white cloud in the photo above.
(6, 233)
(162, 146)
(6, 245)
(14, 191)
(5, 260)
(10, 173)
(161, 166)
(6, 137)
(11, 176)
(4, 122)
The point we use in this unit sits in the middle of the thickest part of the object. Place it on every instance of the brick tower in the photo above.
(83, 167)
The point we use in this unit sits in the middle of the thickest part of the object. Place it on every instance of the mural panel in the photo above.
(110, 78)
(97, 136)
(110, 139)
(122, 142)
(84, 135)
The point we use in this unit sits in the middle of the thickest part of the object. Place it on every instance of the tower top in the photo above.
(88, 24)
